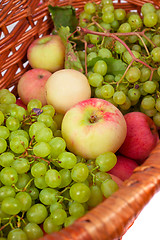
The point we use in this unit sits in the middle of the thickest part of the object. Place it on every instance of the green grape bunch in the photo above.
(43, 186)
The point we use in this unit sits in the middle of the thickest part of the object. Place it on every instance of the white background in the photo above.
(147, 225)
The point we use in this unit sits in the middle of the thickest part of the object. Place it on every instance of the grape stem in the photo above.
(115, 36)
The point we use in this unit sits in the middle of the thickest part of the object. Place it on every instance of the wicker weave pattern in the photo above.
(110, 219)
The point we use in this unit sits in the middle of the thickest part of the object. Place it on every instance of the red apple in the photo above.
(92, 127)
(20, 103)
(123, 168)
(32, 85)
(116, 179)
(142, 136)
(47, 52)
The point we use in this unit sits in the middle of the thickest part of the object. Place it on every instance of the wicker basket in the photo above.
(110, 219)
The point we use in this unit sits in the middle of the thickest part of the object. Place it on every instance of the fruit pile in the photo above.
(87, 116)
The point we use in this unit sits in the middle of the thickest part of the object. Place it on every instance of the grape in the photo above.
(150, 19)
(55, 206)
(106, 161)
(33, 191)
(21, 165)
(48, 196)
(17, 234)
(108, 17)
(147, 7)
(33, 231)
(119, 97)
(69, 221)
(126, 105)
(95, 39)
(25, 200)
(104, 53)
(38, 169)
(44, 135)
(76, 209)
(65, 178)
(35, 127)
(3, 145)
(156, 119)
(133, 39)
(134, 94)
(6, 191)
(46, 119)
(1, 117)
(145, 74)
(148, 102)
(120, 14)
(89, 8)
(155, 53)
(108, 8)
(59, 216)
(34, 103)
(19, 113)
(18, 144)
(37, 213)
(124, 28)
(53, 178)
(135, 21)
(149, 86)
(80, 172)
(11, 205)
(95, 79)
(96, 196)
(108, 187)
(42, 149)
(156, 40)
(48, 109)
(136, 48)
(8, 176)
(107, 91)
(157, 104)
(133, 74)
(58, 145)
(23, 180)
(80, 192)
(67, 160)
(8, 98)
(40, 182)
(119, 47)
(101, 177)
(12, 123)
(49, 226)
(17, 133)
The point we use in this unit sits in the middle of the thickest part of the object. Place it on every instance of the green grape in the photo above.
(3, 145)
(21, 165)
(54, 127)
(119, 97)
(149, 86)
(19, 113)
(95, 79)
(89, 8)
(97, 92)
(58, 133)
(8, 176)
(105, 2)
(42, 149)
(17, 234)
(67, 160)
(33, 231)
(23, 180)
(59, 216)
(34, 192)
(80, 192)
(119, 47)
(124, 28)
(6, 191)
(49, 226)
(100, 67)
(115, 25)
(106, 161)
(76, 209)
(108, 17)
(48, 196)
(104, 53)
(126, 105)
(94, 39)
(128, 58)
(158, 14)
(18, 144)
(12, 123)
(156, 40)
(85, 15)
(109, 78)
(147, 7)
(80, 172)
(148, 102)
(58, 145)
(35, 127)
(107, 91)
(69, 221)
(150, 112)
(48, 109)
(145, 74)
(155, 53)
(1, 117)
(34, 103)
(134, 94)
(108, 187)
(4, 91)
(81, 55)
(8, 98)
(65, 178)
(44, 135)
(135, 21)
(105, 26)
(136, 48)
(123, 87)
(143, 93)
(101, 177)
(37, 213)
(53, 178)
(150, 19)
(40, 182)
(91, 56)
(17, 133)
(120, 14)
(107, 8)
(156, 119)
(11, 206)
(157, 105)
(55, 206)
(46, 119)
(132, 39)
(38, 169)
(25, 200)
(133, 74)
(96, 196)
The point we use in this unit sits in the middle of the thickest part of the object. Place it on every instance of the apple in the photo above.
(66, 87)
(47, 52)
(116, 179)
(142, 136)
(32, 85)
(92, 127)
(123, 168)
(20, 103)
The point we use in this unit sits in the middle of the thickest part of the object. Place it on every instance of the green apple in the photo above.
(47, 52)
(92, 127)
